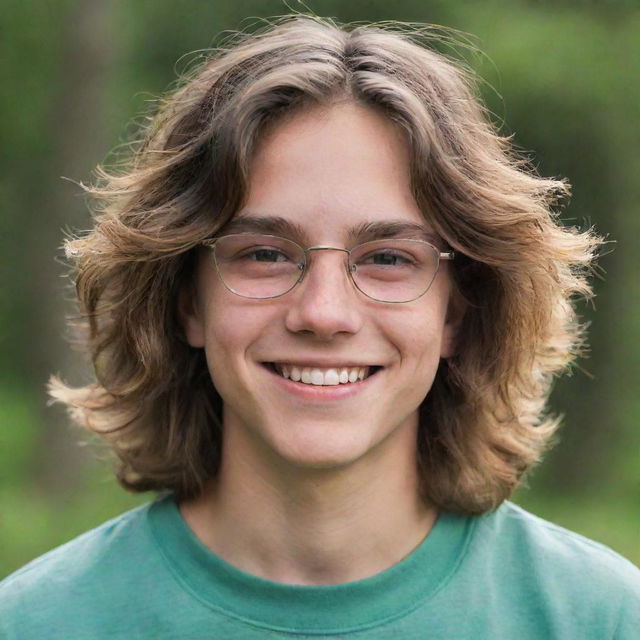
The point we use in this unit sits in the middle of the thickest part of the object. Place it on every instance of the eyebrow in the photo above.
(272, 225)
(392, 229)
(363, 232)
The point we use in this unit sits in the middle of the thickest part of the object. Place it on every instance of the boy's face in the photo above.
(328, 172)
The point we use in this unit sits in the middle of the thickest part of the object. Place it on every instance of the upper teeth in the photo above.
(322, 377)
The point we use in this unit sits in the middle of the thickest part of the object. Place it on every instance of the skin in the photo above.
(328, 474)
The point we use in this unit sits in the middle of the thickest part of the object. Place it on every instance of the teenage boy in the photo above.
(325, 304)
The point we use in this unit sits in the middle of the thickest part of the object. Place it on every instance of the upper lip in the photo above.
(323, 364)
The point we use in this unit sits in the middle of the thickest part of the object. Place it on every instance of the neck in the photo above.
(312, 526)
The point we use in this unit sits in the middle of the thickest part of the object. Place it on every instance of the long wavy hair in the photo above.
(483, 423)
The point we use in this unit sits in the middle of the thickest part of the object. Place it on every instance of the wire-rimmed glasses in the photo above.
(262, 266)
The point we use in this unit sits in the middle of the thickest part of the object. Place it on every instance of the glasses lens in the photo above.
(258, 266)
(394, 270)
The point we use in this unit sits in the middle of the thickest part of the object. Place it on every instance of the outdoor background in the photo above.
(561, 76)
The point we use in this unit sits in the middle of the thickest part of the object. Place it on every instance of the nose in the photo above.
(325, 303)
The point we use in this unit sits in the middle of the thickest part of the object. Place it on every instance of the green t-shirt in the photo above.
(505, 575)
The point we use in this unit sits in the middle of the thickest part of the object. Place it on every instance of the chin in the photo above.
(321, 449)
(320, 462)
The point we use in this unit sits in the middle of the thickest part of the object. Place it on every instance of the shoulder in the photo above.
(82, 571)
(82, 554)
(559, 567)
(526, 534)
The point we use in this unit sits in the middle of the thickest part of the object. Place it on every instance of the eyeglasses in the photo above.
(264, 266)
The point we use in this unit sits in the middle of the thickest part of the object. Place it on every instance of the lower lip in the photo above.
(322, 393)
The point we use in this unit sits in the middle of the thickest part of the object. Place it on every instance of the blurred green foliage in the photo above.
(562, 77)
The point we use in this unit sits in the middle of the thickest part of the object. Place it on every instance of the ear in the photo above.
(456, 310)
(191, 316)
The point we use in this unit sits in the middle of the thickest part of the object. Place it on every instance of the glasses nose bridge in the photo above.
(323, 247)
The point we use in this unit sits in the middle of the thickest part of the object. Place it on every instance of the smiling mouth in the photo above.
(323, 377)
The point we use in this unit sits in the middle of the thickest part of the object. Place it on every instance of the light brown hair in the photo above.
(483, 423)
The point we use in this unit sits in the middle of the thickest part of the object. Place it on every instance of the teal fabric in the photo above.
(504, 575)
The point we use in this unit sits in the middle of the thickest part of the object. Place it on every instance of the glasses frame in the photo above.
(304, 267)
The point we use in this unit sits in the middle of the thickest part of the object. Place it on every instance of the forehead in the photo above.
(332, 172)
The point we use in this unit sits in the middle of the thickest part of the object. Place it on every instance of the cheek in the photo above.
(419, 331)
(419, 338)
(225, 343)
(227, 334)
(235, 331)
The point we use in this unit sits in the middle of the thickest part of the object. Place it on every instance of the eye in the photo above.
(263, 254)
(386, 258)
